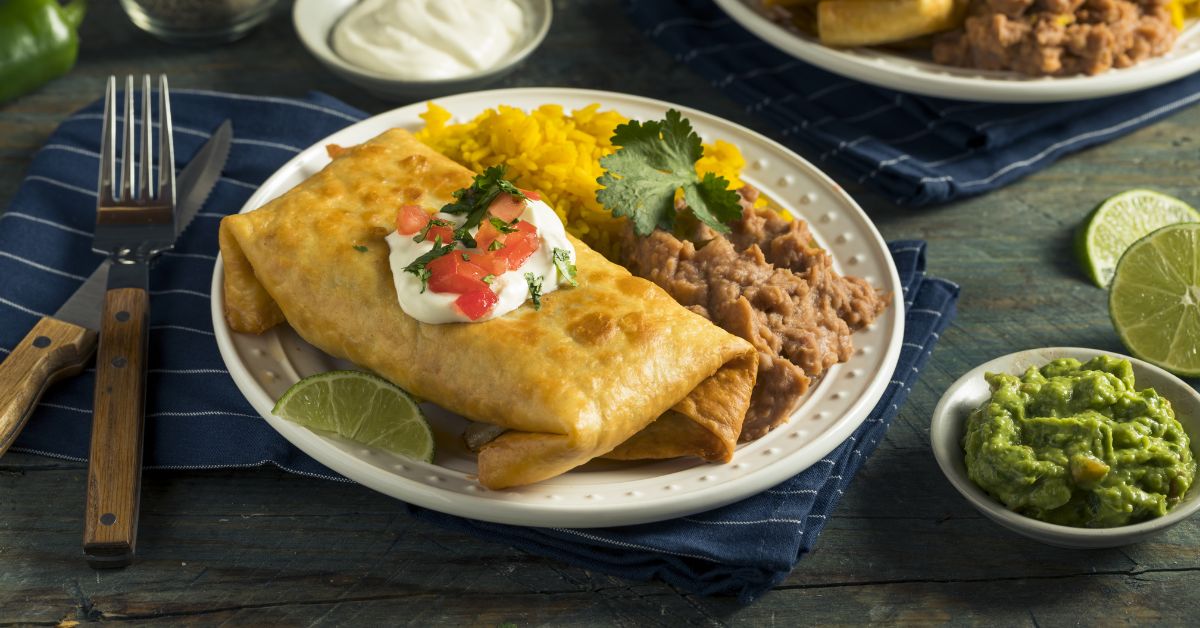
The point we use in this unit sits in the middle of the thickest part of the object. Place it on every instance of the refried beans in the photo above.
(767, 282)
(1057, 37)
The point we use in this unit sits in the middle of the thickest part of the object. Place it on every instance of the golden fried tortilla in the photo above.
(873, 22)
(583, 375)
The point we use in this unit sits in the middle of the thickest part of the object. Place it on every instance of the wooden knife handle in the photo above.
(52, 350)
(115, 465)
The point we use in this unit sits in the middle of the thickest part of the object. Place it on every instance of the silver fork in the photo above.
(135, 221)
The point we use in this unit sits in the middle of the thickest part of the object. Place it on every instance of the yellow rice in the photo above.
(1182, 10)
(558, 154)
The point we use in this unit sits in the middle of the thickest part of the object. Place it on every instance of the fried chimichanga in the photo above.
(585, 374)
(871, 22)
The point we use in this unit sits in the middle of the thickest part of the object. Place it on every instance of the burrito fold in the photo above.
(583, 376)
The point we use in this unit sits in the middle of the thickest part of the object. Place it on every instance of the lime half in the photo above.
(1154, 300)
(361, 407)
(1119, 222)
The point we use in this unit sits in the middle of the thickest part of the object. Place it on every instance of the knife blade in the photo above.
(60, 346)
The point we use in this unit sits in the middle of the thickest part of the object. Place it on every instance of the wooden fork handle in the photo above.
(115, 465)
(52, 350)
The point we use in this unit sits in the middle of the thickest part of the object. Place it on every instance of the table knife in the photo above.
(60, 346)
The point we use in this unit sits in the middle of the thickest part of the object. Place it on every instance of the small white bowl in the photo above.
(315, 20)
(966, 394)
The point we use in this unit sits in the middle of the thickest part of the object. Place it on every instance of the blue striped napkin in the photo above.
(915, 150)
(197, 419)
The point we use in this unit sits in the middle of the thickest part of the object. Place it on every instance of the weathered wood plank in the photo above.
(219, 543)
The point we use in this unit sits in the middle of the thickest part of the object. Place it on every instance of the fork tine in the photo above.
(128, 154)
(108, 145)
(145, 183)
(166, 153)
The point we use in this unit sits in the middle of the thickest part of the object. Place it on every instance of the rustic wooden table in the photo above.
(262, 546)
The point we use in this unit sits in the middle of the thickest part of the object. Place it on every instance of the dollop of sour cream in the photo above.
(511, 288)
(429, 39)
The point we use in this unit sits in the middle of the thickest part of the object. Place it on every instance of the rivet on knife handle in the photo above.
(115, 465)
(52, 350)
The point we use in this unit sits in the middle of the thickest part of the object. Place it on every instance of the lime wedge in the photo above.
(1154, 299)
(1120, 221)
(361, 407)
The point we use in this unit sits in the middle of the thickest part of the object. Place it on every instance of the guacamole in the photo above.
(1076, 444)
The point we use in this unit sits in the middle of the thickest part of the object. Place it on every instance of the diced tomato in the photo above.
(517, 249)
(489, 262)
(524, 226)
(518, 246)
(444, 265)
(531, 195)
(411, 219)
(487, 234)
(477, 303)
(450, 273)
(506, 207)
(455, 284)
(445, 232)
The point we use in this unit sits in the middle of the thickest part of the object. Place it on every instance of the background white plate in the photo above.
(601, 493)
(912, 74)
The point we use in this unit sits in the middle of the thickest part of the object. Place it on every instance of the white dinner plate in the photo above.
(922, 76)
(601, 493)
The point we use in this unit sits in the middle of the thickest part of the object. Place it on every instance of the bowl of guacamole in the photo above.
(1074, 447)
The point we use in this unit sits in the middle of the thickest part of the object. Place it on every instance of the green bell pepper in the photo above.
(38, 42)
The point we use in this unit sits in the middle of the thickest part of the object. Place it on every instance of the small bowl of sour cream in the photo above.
(410, 49)
(1059, 433)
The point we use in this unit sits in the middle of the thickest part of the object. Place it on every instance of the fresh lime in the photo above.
(1119, 222)
(361, 407)
(1154, 299)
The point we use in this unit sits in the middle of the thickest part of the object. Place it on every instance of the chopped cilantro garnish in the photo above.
(496, 245)
(655, 159)
(535, 289)
(566, 268)
(420, 237)
(488, 279)
(360, 248)
(474, 200)
(418, 266)
(482, 191)
(464, 236)
(501, 226)
(424, 276)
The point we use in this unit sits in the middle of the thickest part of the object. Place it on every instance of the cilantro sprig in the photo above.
(655, 159)
(474, 200)
(566, 268)
(535, 289)
(503, 227)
